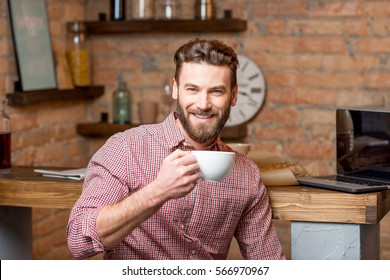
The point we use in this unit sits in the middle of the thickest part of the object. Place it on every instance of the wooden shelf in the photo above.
(105, 130)
(102, 130)
(30, 97)
(165, 26)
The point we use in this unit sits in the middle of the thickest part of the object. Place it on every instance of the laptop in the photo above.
(362, 151)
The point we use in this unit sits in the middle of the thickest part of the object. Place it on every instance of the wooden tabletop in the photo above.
(300, 203)
(23, 187)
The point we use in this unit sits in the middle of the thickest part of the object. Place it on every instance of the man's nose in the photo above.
(203, 101)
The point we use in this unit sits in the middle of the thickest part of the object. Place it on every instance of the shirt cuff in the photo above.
(89, 230)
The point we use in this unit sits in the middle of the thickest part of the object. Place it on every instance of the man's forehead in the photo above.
(202, 66)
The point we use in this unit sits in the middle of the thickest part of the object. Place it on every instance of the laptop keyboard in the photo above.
(375, 174)
(352, 180)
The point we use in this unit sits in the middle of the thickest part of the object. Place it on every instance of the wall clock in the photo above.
(251, 92)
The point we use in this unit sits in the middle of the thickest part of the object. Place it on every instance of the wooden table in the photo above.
(320, 218)
(25, 188)
(331, 224)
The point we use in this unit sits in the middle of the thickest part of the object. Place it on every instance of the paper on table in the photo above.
(277, 171)
(74, 174)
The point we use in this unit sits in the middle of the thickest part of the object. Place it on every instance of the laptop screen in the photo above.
(363, 140)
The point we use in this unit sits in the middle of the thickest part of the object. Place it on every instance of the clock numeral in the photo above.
(244, 66)
(253, 76)
(243, 93)
(256, 90)
(252, 102)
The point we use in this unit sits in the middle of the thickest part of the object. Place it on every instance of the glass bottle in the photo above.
(166, 9)
(204, 9)
(142, 9)
(117, 9)
(5, 141)
(121, 110)
(77, 54)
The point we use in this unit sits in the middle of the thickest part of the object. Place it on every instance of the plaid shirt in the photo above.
(200, 225)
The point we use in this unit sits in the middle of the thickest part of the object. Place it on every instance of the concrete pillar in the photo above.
(333, 241)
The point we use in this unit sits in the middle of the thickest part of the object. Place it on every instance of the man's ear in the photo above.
(234, 96)
(175, 89)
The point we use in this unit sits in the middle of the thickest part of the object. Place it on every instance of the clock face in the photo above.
(251, 92)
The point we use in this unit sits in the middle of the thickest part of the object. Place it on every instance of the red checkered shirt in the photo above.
(200, 225)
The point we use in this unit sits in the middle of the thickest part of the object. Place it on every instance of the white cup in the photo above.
(214, 165)
(242, 148)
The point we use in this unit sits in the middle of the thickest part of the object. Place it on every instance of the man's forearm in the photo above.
(116, 221)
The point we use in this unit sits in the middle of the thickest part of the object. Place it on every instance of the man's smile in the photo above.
(202, 116)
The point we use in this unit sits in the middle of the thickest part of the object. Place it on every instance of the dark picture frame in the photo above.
(32, 45)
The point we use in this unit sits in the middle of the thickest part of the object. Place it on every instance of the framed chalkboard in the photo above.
(30, 31)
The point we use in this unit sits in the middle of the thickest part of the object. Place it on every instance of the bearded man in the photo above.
(143, 195)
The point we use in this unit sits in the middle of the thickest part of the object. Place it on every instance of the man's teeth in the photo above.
(202, 116)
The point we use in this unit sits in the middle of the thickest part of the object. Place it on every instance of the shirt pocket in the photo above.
(219, 218)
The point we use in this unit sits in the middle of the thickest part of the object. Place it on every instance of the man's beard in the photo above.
(202, 133)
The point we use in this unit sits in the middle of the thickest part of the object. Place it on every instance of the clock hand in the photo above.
(243, 93)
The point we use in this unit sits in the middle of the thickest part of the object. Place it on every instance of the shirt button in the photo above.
(193, 252)
(182, 226)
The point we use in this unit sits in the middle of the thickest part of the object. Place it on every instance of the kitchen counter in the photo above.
(23, 187)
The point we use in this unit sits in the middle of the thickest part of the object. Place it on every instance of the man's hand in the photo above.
(177, 177)
(178, 174)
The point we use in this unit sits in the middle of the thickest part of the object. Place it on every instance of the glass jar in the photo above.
(142, 9)
(166, 9)
(121, 97)
(77, 54)
(5, 141)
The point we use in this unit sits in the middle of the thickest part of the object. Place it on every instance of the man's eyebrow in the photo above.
(221, 87)
(190, 85)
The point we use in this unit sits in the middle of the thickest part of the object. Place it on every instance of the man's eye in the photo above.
(191, 89)
(218, 91)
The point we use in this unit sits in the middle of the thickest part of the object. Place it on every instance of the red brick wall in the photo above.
(315, 55)
(45, 134)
